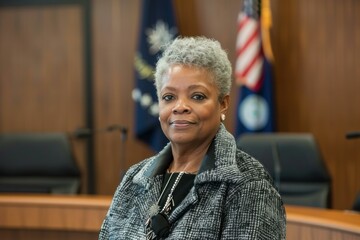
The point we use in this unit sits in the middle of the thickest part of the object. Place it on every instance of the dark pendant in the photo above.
(160, 225)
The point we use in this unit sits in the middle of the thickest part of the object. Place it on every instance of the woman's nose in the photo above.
(181, 106)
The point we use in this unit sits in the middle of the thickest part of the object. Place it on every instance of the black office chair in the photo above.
(295, 163)
(356, 204)
(37, 163)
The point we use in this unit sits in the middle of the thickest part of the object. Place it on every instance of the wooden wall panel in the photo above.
(115, 28)
(41, 71)
(36, 45)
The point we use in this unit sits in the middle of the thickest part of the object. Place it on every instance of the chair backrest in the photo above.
(295, 163)
(356, 204)
(37, 162)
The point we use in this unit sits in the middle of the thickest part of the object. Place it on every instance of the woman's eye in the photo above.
(198, 97)
(167, 97)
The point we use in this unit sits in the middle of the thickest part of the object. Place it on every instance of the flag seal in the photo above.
(254, 112)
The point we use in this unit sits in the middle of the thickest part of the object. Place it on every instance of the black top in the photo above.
(182, 189)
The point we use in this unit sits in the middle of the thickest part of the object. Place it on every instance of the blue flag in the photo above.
(158, 27)
(253, 74)
(255, 108)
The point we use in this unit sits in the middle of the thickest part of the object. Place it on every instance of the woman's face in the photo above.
(189, 108)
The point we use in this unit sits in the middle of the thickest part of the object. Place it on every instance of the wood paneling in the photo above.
(52, 217)
(80, 217)
(42, 72)
(306, 223)
(115, 25)
(316, 46)
(28, 234)
(316, 80)
(41, 68)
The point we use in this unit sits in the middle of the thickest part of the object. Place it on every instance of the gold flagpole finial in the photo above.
(266, 24)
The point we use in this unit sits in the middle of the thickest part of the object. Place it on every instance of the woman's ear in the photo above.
(224, 104)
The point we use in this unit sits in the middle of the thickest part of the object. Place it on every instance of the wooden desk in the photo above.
(80, 217)
(305, 223)
(51, 216)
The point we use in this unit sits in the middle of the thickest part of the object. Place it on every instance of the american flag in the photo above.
(253, 69)
(249, 61)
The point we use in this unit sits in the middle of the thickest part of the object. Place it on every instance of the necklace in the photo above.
(155, 209)
(169, 199)
(152, 231)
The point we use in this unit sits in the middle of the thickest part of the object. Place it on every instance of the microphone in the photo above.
(352, 135)
(123, 130)
(82, 133)
(87, 132)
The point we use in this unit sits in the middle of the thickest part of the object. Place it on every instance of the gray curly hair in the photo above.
(199, 52)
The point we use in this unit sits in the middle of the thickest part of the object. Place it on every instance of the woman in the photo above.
(200, 186)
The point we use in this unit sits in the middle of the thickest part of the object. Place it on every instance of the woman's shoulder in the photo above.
(139, 165)
(135, 169)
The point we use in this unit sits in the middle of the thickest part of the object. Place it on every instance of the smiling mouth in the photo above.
(180, 123)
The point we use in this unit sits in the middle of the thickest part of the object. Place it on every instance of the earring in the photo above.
(159, 119)
(223, 117)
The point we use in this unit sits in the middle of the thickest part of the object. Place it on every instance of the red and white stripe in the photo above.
(249, 58)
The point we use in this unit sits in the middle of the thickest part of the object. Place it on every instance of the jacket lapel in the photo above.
(148, 196)
(149, 180)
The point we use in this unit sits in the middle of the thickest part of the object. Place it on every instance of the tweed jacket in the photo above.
(232, 198)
